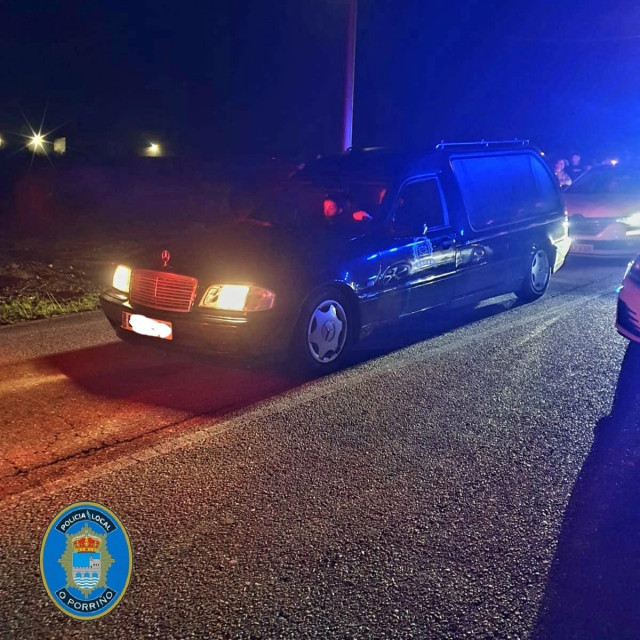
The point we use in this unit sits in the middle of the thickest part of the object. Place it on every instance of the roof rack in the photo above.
(482, 143)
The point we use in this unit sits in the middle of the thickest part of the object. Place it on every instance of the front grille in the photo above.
(581, 226)
(161, 290)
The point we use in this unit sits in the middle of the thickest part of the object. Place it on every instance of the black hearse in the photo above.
(411, 232)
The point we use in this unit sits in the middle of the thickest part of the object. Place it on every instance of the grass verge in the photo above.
(44, 305)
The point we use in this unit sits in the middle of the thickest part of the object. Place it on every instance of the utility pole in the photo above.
(350, 72)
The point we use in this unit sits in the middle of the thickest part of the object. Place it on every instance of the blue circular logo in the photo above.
(86, 560)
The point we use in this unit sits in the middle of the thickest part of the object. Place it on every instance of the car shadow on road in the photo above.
(593, 590)
(172, 379)
(205, 384)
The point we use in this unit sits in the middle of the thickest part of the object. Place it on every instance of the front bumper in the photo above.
(258, 333)
(610, 242)
(628, 311)
(562, 249)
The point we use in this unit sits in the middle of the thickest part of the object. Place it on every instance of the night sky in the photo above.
(267, 77)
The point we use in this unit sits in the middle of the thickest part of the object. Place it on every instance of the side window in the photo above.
(505, 188)
(418, 205)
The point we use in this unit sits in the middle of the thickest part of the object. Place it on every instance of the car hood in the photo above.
(250, 251)
(605, 205)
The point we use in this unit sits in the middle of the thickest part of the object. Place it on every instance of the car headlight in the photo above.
(632, 220)
(237, 297)
(121, 278)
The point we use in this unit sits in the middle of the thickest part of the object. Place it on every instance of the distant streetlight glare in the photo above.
(37, 141)
(154, 149)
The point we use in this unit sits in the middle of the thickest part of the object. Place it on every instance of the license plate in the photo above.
(147, 326)
(581, 248)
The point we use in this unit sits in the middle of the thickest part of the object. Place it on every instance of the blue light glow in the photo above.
(373, 257)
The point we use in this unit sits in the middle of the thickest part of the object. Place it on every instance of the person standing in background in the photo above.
(560, 169)
(575, 169)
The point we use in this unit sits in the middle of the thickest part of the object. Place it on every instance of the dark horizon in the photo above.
(268, 79)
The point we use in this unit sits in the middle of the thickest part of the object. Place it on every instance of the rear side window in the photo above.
(505, 188)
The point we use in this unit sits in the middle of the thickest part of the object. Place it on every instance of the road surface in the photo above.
(473, 475)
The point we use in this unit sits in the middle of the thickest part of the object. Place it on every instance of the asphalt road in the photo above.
(474, 475)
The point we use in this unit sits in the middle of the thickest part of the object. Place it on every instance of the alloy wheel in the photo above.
(327, 331)
(539, 271)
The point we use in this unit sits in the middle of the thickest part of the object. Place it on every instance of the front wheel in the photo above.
(537, 278)
(322, 333)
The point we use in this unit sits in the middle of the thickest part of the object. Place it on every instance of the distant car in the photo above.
(628, 310)
(415, 231)
(604, 211)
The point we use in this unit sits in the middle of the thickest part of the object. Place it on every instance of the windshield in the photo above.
(305, 204)
(608, 180)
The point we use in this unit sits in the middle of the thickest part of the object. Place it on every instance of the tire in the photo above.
(536, 280)
(323, 333)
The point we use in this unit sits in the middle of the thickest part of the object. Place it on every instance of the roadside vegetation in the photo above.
(31, 287)
(47, 305)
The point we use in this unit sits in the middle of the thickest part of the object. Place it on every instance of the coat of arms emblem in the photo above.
(86, 560)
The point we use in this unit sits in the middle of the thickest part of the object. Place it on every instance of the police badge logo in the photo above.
(423, 254)
(86, 560)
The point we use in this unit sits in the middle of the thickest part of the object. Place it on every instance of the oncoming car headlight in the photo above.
(121, 278)
(237, 297)
(632, 221)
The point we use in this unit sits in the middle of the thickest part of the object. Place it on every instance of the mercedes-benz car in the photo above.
(604, 211)
(628, 309)
(347, 244)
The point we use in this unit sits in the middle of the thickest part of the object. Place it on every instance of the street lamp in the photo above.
(37, 143)
(154, 149)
